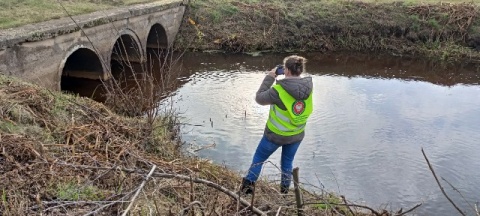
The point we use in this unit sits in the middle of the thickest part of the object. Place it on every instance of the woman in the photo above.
(290, 103)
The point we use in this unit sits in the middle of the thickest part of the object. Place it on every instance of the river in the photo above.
(372, 116)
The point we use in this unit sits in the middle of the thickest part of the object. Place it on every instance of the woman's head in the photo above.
(295, 64)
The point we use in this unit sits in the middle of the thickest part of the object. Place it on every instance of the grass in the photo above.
(396, 27)
(15, 13)
(71, 191)
(33, 11)
(423, 1)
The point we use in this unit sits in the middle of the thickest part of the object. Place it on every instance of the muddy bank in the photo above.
(448, 32)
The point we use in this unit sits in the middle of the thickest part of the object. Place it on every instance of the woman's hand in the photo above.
(272, 73)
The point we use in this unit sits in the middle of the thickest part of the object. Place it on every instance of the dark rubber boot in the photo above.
(247, 186)
(284, 189)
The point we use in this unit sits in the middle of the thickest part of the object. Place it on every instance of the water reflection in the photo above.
(372, 115)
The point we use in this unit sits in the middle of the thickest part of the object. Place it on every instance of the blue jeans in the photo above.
(264, 150)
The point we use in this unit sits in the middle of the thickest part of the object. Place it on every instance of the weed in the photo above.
(229, 10)
(4, 198)
(216, 16)
(434, 23)
(71, 191)
(9, 127)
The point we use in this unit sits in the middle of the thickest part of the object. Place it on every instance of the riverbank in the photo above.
(441, 31)
(63, 154)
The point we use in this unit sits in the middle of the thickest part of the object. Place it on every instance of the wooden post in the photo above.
(298, 194)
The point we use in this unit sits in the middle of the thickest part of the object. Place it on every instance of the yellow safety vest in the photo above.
(291, 121)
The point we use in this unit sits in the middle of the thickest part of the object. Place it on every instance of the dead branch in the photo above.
(238, 201)
(187, 209)
(253, 199)
(458, 191)
(376, 213)
(96, 211)
(138, 190)
(410, 210)
(59, 204)
(177, 176)
(278, 211)
(345, 201)
(440, 185)
(191, 195)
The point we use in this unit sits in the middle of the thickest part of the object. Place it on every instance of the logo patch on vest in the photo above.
(298, 107)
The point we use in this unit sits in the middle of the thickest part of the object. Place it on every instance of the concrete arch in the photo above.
(80, 62)
(127, 47)
(157, 37)
(157, 47)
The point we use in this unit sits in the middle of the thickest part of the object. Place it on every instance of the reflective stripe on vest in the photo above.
(291, 121)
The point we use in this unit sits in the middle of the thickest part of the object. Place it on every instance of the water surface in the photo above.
(372, 115)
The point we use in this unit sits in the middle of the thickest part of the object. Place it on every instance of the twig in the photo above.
(67, 203)
(238, 200)
(345, 201)
(156, 206)
(476, 209)
(178, 176)
(336, 181)
(440, 185)
(107, 205)
(278, 211)
(458, 191)
(342, 204)
(253, 198)
(410, 210)
(191, 196)
(138, 190)
(186, 210)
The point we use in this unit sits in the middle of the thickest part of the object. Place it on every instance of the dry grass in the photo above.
(15, 13)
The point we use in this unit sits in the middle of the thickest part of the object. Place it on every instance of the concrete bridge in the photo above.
(45, 52)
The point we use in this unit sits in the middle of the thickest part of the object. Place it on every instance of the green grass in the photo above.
(8, 127)
(423, 1)
(73, 192)
(15, 13)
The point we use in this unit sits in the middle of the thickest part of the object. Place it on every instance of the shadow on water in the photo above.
(129, 76)
(346, 65)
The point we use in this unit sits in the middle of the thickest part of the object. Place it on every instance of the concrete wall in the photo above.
(38, 53)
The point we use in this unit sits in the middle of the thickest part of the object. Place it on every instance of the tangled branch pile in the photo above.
(40, 128)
